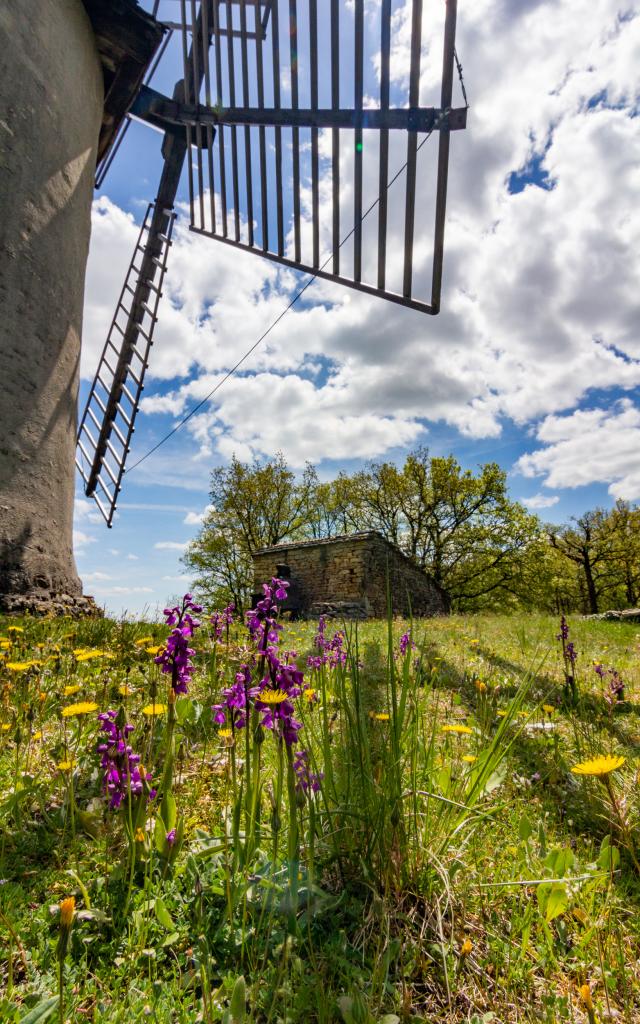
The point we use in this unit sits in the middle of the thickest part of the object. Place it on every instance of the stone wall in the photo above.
(50, 115)
(352, 570)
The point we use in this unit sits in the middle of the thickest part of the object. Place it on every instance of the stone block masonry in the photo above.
(350, 574)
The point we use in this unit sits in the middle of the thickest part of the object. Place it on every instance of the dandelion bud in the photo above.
(67, 912)
(466, 947)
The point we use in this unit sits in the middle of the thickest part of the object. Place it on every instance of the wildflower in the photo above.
(139, 836)
(21, 666)
(144, 640)
(221, 621)
(154, 709)
(82, 655)
(406, 643)
(272, 696)
(235, 700)
(481, 686)
(65, 766)
(225, 734)
(121, 773)
(460, 729)
(261, 620)
(70, 690)
(5, 726)
(501, 714)
(305, 779)
(175, 658)
(469, 758)
(67, 912)
(599, 766)
(84, 708)
(37, 735)
(171, 837)
(382, 716)
(156, 649)
(466, 947)
(585, 995)
(125, 690)
(15, 629)
(310, 695)
(548, 708)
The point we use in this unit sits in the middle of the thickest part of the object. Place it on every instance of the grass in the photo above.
(449, 867)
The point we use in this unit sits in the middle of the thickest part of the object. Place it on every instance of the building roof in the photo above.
(127, 39)
(342, 538)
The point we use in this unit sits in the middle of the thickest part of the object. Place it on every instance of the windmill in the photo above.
(254, 124)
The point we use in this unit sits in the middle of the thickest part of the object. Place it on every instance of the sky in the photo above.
(533, 361)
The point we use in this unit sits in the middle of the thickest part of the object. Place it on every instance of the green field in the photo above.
(448, 865)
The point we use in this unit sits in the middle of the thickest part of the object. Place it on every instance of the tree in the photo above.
(589, 544)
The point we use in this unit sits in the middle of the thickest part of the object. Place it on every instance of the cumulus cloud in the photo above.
(171, 545)
(590, 446)
(540, 304)
(541, 501)
(81, 540)
(197, 518)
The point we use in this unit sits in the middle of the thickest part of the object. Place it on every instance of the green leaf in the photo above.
(238, 1002)
(609, 856)
(557, 902)
(525, 829)
(163, 915)
(169, 810)
(184, 710)
(160, 834)
(389, 1018)
(42, 1011)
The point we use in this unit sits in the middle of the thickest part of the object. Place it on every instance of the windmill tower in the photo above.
(68, 72)
(247, 119)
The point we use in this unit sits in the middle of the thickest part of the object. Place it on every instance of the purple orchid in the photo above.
(306, 780)
(122, 776)
(175, 659)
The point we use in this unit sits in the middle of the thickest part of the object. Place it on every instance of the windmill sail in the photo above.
(291, 143)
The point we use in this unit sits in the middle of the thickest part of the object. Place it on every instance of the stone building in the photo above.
(348, 576)
(69, 70)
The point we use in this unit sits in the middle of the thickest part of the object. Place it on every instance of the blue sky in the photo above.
(534, 361)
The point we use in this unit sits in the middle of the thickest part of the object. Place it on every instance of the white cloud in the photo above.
(590, 446)
(541, 501)
(197, 518)
(171, 545)
(81, 540)
(176, 579)
(92, 577)
(540, 303)
(133, 558)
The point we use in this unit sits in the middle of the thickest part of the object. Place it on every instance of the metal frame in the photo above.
(234, 161)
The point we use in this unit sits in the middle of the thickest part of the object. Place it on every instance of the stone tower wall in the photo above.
(50, 114)
(353, 570)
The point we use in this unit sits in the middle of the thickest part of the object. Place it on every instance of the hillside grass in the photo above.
(458, 874)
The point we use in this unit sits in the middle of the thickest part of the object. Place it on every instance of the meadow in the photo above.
(286, 822)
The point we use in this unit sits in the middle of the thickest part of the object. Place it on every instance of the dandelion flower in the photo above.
(466, 947)
(125, 690)
(5, 726)
(469, 758)
(154, 709)
(144, 640)
(85, 707)
(382, 716)
(549, 708)
(20, 666)
(461, 730)
(139, 836)
(19, 629)
(225, 734)
(273, 696)
(37, 735)
(65, 766)
(599, 766)
(585, 995)
(70, 690)
(154, 650)
(67, 912)
(501, 714)
(309, 695)
(481, 686)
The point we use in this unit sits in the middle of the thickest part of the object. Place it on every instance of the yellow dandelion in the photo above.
(154, 709)
(90, 655)
(65, 766)
(381, 716)
(501, 714)
(469, 758)
(585, 995)
(19, 629)
(125, 690)
(42, 695)
(466, 947)
(139, 837)
(273, 696)
(5, 645)
(20, 666)
(309, 695)
(5, 726)
(37, 735)
(70, 690)
(461, 730)
(481, 686)
(599, 766)
(67, 911)
(548, 708)
(144, 640)
(85, 707)
(154, 650)
(225, 734)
